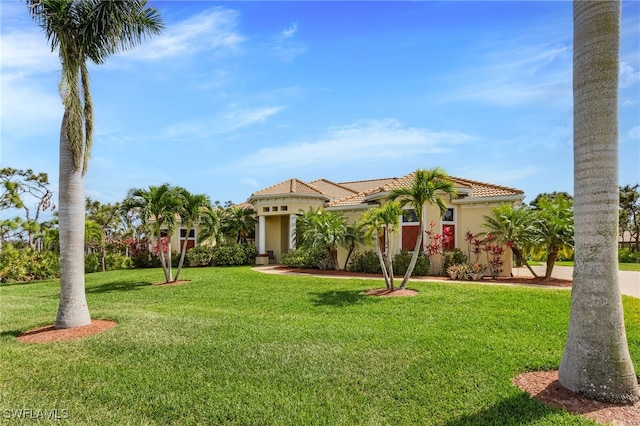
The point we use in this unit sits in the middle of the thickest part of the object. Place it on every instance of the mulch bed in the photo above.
(50, 334)
(556, 282)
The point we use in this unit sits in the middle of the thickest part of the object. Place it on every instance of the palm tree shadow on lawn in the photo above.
(118, 286)
(340, 298)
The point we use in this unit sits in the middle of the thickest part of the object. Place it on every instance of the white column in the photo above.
(262, 236)
(292, 231)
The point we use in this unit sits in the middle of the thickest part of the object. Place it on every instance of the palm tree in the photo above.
(238, 222)
(513, 226)
(354, 235)
(210, 232)
(379, 223)
(554, 227)
(83, 30)
(158, 207)
(423, 190)
(596, 360)
(193, 205)
(321, 228)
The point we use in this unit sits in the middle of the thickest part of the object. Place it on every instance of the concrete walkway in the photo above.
(629, 280)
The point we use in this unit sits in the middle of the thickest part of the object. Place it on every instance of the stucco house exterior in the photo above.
(277, 207)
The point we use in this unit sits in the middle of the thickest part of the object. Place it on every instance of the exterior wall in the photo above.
(471, 219)
(276, 210)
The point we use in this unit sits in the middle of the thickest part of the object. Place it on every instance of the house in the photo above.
(277, 207)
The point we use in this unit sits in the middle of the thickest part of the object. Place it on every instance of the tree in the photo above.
(535, 204)
(238, 222)
(354, 235)
(83, 30)
(19, 189)
(424, 190)
(379, 224)
(630, 213)
(555, 228)
(190, 212)
(322, 228)
(158, 207)
(108, 218)
(596, 360)
(514, 227)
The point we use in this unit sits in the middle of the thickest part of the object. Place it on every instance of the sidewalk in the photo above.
(629, 280)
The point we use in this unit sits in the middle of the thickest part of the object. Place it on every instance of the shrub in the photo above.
(27, 264)
(454, 257)
(365, 262)
(303, 257)
(233, 254)
(401, 263)
(142, 259)
(118, 261)
(92, 263)
(199, 256)
(627, 255)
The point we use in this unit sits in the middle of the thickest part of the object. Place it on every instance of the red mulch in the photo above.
(172, 282)
(544, 386)
(49, 333)
(502, 280)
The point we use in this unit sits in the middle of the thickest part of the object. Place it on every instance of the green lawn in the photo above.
(621, 266)
(235, 346)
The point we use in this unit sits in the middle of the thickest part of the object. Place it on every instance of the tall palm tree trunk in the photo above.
(183, 252)
(414, 257)
(72, 310)
(596, 359)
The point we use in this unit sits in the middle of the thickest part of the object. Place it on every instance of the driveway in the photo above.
(629, 280)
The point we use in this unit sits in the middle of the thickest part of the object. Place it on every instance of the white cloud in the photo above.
(26, 53)
(519, 74)
(376, 140)
(286, 45)
(210, 30)
(230, 121)
(634, 134)
(628, 76)
(250, 182)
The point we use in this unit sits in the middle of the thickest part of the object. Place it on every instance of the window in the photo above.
(183, 233)
(265, 209)
(274, 208)
(449, 230)
(448, 216)
(284, 208)
(409, 216)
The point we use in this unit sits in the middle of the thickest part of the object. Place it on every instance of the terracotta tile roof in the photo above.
(289, 186)
(366, 185)
(332, 189)
(356, 193)
(483, 189)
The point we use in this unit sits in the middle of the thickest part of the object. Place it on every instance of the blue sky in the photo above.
(237, 96)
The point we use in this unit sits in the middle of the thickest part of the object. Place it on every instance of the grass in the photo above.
(235, 346)
(621, 266)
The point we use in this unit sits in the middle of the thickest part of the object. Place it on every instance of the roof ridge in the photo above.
(471, 182)
(339, 185)
(364, 180)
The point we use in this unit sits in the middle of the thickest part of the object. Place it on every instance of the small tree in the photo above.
(630, 213)
(322, 228)
(514, 227)
(158, 207)
(426, 188)
(379, 224)
(554, 228)
(190, 211)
